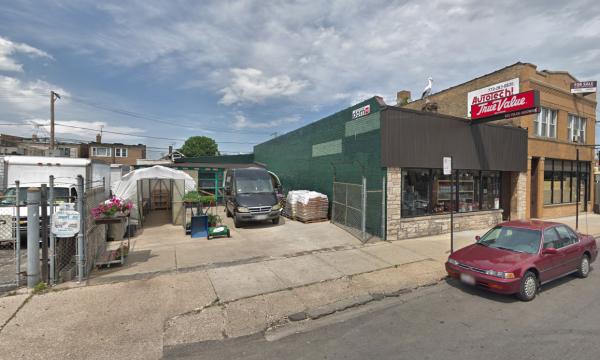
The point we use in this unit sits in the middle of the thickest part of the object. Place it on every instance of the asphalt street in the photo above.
(445, 321)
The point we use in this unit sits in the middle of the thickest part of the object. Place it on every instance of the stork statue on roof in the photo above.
(427, 89)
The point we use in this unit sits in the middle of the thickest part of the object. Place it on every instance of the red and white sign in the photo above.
(492, 92)
(361, 111)
(507, 107)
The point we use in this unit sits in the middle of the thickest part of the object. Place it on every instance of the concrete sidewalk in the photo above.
(138, 318)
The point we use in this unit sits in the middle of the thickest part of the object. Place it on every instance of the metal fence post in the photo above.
(33, 237)
(363, 220)
(52, 237)
(80, 250)
(333, 203)
(44, 230)
(18, 231)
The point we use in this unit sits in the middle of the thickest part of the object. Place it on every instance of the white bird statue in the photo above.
(427, 89)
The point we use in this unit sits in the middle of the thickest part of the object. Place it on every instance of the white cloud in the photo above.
(26, 95)
(251, 85)
(242, 122)
(8, 49)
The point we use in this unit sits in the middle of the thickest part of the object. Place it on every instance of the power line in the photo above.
(156, 119)
(132, 135)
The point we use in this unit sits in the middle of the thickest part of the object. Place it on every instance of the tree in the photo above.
(199, 146)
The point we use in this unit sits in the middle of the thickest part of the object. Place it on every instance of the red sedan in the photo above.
(516, 257)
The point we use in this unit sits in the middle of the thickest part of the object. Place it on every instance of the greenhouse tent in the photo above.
(138, 187)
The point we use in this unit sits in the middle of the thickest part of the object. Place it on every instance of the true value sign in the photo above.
(520, 104)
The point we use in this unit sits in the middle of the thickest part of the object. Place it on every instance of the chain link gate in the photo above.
(12, 256)
(349, 209)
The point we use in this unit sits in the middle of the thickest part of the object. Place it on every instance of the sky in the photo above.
(157, 72)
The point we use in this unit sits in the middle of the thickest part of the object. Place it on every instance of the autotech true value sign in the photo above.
(488, 93)
(520, 104)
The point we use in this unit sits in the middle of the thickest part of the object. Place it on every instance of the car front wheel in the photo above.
(529, 287)
(236, 221)
(584, 267)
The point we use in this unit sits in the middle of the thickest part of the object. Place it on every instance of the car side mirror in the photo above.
(477, 238)
(549, 251)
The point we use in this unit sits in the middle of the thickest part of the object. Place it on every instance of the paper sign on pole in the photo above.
(447, 165)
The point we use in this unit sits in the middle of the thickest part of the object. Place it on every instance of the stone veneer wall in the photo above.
(394, 202)
(439, 224)
(519, 201)
(399, 228)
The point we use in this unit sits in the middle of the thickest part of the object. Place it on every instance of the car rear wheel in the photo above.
(529, 287)
(584, 267)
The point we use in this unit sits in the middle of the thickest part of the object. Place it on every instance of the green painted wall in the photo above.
(303, 158)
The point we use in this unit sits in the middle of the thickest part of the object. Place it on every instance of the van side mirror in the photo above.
(549, 251)
(477, 238)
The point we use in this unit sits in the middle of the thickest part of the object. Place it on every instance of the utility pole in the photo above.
(53, 97)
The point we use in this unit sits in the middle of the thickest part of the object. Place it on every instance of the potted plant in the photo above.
(213, 220)
(207, 200)
(191, 197)
(112, 208)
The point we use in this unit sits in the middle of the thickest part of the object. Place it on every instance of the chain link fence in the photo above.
(358, 210)
(11, 269)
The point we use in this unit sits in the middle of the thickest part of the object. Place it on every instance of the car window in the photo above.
(551, 238)
(566, 237)
(513, 239)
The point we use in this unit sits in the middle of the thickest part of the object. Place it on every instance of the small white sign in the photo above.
(361, 111)
(447, 165)
(65, 222)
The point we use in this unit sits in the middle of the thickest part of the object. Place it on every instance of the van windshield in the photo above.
(253, 183)
(9, 198)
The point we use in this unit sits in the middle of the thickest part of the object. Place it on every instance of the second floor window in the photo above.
(545, 123)
(576, 128)
(121, 152)
(100, 151)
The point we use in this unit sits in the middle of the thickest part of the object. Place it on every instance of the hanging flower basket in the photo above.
(112, 211)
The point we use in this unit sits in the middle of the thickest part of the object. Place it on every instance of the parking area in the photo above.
(162, 247)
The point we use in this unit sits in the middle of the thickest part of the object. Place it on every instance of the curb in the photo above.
(345, 304)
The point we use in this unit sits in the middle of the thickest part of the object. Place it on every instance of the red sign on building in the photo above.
(520, 104)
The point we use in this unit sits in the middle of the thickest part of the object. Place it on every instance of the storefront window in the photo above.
(548, 181)
(568, 176)
(415, 192)
(490, 181)
(441, 199)
(557, 176)
(428, 191)
(560, 181)
(468, 189)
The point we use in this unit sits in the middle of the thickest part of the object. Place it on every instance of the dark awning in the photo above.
(416, 139)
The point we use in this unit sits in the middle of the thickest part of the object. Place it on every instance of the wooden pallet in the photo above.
(310, 221)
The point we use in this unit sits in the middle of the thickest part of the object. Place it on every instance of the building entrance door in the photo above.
(535, 163)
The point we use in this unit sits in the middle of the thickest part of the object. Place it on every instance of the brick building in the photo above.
(40, 146)
(116, 153)
(565, 123)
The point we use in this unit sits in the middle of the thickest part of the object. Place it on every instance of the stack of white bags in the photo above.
(306, 205)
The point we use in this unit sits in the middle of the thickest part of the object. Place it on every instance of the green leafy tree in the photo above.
(199, 146)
